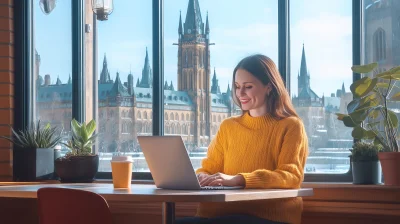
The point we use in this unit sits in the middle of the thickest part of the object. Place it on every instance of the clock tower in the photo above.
(194, 69)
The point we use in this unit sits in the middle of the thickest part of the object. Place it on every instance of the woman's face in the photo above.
(251, 93)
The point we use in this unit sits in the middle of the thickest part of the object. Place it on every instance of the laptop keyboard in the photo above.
(219, 188)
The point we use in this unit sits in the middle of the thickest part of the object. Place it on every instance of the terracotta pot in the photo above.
(390, 162)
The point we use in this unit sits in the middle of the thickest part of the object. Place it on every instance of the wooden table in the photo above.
(149, 193)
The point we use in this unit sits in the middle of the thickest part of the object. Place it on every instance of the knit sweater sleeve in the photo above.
(213, 163)
(291, 160)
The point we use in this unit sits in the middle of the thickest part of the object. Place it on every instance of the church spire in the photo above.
(171, 87)
(215, 88)
(207, 25)
(303, 66)
(105, 74)
(180, 30)
(69, 79)
(147, 76)
(193, 21)
(343, 90)
(228, 91)
(118, 89)
(138, 83)
(58, 81)
(304, 77)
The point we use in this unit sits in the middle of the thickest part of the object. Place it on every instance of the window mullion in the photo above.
(158, 67)
(78, 46)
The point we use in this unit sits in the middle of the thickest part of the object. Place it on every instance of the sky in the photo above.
(238, 29)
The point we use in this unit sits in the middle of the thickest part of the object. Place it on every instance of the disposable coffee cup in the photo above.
(121, 169)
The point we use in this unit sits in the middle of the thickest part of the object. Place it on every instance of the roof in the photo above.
(307, 93)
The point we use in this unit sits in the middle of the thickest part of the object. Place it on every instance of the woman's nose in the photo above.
(241, 91)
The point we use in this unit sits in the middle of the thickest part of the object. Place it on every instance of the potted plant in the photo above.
(33, 153)
(365, 163)
(371, 116)
(80, 165)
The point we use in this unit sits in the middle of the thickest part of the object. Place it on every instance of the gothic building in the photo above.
(306, 97)
(382, 33)
(194, 110)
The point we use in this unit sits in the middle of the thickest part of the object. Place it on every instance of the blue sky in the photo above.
(238, 28)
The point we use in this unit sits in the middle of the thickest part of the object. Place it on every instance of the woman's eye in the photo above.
(249, 87)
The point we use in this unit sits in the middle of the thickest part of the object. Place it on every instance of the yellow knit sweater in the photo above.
(269, 153)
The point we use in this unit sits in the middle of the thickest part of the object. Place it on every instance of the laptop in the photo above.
(170, 165)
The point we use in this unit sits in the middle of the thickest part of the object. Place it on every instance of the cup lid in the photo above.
(122, 159)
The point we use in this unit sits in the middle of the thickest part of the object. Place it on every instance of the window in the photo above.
(191, 35)
(219, 39)
(379, 45)
(381, 34)
(124, 56)
(52, 69)
(318, 89)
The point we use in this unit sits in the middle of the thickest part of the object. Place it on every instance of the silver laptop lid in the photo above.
(169, 162)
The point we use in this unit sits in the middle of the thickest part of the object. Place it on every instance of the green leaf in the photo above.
(364, 68)
(363, 86)
(359, 115)
(382, 85)
(75, 126)
(390, 76)
(348, 122)
(84, 133)
(395, 97)
(340, 116)
(361, 133)
(91, 127)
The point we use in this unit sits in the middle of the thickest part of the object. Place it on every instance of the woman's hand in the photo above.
(220, 179)
(202, 176)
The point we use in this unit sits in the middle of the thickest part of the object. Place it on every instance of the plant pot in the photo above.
(366, 172)
(31, 164)
(390, 167)
(77, 169)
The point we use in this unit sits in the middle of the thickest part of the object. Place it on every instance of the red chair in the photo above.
(66, 206)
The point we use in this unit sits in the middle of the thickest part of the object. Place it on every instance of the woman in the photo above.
(265, 147)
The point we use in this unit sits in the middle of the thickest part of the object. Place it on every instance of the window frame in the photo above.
(24, 96)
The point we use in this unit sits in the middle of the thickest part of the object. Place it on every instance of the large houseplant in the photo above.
(366, 168)
(80, 164)
(371, 116)
(33, 153)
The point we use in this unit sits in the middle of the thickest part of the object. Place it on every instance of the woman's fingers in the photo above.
(206, 181)
(217, 182)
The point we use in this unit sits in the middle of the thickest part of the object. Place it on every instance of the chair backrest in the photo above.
(66, 206)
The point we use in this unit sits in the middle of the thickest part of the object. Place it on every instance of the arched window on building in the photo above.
(139, 115)
(171, 116)
(166, 116)
(213, 119)
(187, 117)
(191, 129)
(201, 58)
(185, 60)
(167, 129)
(190, 59)
(177, 116)
(379, 45)
(182, 117)
(179, 129)
(172, 129)
(145, 115)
